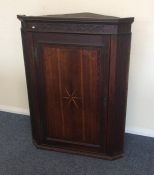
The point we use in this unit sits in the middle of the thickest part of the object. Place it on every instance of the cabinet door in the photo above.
(72, 81)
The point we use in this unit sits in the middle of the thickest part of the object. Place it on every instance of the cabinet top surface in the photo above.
(77, 17)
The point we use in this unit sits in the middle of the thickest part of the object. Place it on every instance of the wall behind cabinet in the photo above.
(13, 94)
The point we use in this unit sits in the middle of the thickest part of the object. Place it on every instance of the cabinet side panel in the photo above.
(119, 67)
(30, 70)
(123, 57)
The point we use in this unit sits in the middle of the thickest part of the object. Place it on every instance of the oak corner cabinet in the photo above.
(77, 74)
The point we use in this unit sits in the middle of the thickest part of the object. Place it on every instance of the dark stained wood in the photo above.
(77, 74)
(78, 17)
(87, 23)
(32, 83)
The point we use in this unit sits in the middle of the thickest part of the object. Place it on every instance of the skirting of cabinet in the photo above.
(78, 152)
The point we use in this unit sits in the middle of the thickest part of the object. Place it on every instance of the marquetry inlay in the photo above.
(71, 97)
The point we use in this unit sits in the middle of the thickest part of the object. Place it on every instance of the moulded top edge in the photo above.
(77, 17)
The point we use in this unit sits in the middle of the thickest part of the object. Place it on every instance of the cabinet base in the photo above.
(95, 155)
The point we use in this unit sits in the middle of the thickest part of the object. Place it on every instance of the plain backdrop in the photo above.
(140, 108)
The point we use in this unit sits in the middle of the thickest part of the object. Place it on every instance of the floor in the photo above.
(18, 156)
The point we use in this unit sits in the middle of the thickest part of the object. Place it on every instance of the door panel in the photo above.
(71, 94)
(73, 87)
